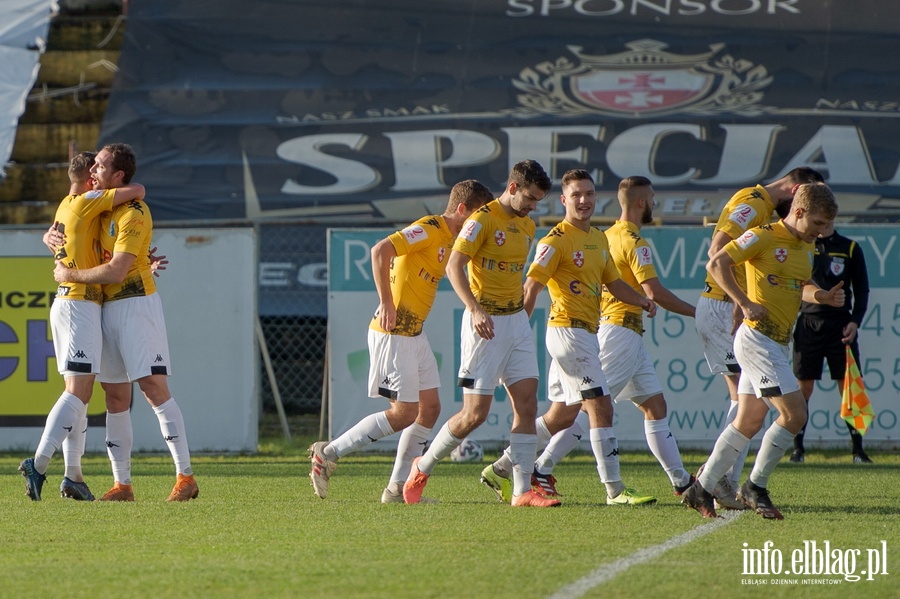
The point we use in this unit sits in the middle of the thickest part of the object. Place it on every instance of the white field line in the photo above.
(607, 572)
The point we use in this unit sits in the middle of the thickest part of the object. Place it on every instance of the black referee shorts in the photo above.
(817, 339)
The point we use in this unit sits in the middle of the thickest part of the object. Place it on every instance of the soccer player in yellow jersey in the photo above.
(407, 267)
(717, 318)
(135, 344)
(574, 262)
(75, 324)
(496, 339)
(779, 259)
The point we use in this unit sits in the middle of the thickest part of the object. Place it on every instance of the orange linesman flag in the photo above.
(855, 406)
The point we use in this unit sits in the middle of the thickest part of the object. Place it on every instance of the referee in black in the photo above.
(823, 331)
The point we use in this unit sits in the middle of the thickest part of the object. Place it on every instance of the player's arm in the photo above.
(665, 298)
(126, 193)
(720, 238)
(113, 271)
(623, 292)
(456, 274)
(814, 294)
(533, 289)
(382, 254)
(859, 284)
(720, 267)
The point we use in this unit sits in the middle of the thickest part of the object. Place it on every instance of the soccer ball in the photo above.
(467, 451)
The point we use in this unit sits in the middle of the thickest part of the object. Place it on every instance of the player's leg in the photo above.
(413, 444)
(119, 438)
(77, 342)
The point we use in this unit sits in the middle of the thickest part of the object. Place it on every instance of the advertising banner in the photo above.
(215, 368)
(357, 111)
(697, 400)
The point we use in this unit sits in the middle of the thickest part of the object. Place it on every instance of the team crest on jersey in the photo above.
(837, 266)
(441, 252)
(415, 234)
(578, 259)
(742, 215)
(781, 254)
(499, 237)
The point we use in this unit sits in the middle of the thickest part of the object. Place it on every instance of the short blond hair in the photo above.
(816, 198)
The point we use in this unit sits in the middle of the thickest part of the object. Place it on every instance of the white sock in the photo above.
(171, 424)
(726, 450)
(522, 450)
(606, 452)
(62, 419)
(444, 442)
(73, 449)
(504, 465)
(775, 444)
(663, 445)
(734, 473)
(119, 441)
(413, 443)
(562, 444)
(365, 432)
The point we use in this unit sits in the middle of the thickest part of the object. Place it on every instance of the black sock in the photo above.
(855, 439)
(798, 440)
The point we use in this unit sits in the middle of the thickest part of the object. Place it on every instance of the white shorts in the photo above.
(627, 364)
(714, 322)
(765, 365)
(135, 344)
(400, 367)
(506, 359)
(77, 336)
(575, 371)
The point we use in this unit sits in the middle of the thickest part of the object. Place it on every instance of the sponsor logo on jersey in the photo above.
(543, 253)
(415, 234)
(644, 255)
(747, 239)
(470, 230)
(742, 215)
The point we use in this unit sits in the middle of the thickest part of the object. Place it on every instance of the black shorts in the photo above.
(816, 339)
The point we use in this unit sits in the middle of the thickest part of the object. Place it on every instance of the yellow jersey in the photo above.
(422, 252)
(748, 208)
(779, 264)
(574, 265)
(129, 229)
(78, 218)
(634, 259)
(497, 244)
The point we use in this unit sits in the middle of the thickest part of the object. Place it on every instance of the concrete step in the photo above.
(44, 144)
(80, 104)
(86, 32)
(31, 192)
(77, 67)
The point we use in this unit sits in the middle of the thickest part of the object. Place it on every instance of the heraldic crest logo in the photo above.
(644, 81)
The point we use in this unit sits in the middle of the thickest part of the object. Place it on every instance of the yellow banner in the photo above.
(29, 381)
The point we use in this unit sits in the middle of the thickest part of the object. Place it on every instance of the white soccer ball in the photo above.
(467, 451)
